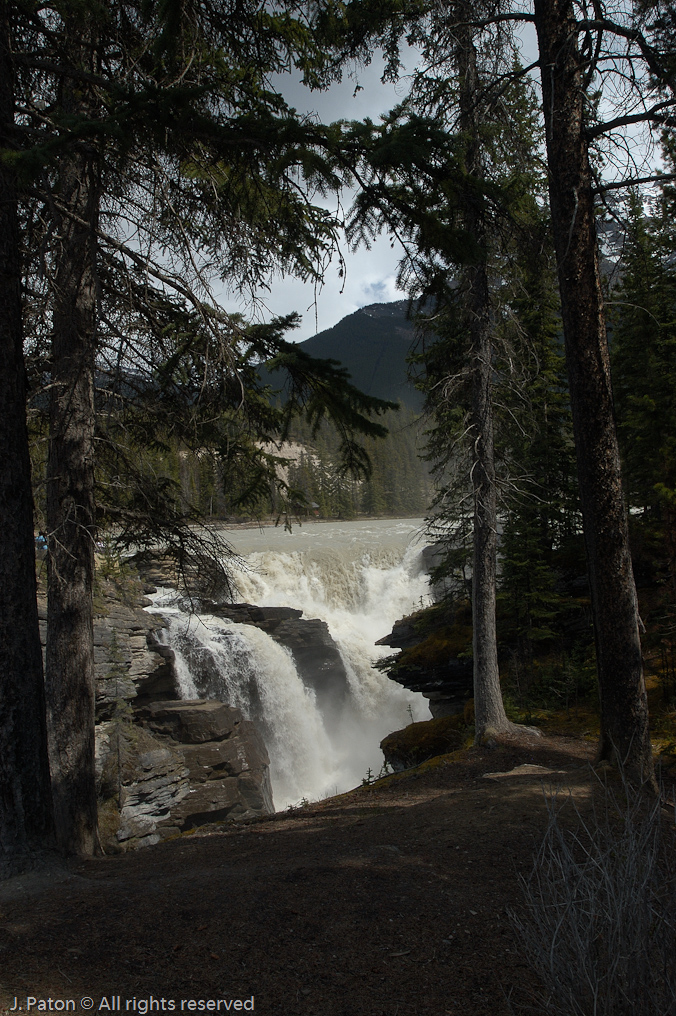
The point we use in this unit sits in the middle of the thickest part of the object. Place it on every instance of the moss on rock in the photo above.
(421, 741)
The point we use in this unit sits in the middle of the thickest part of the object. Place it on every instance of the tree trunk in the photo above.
(70, 491)
(25, 797)
(625, 736)
(489, 711)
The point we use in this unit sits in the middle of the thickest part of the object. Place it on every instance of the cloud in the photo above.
(369, 274)
(383, 291)
(369, 278)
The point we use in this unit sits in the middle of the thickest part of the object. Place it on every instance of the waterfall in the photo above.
(356, 583)
(360, 595)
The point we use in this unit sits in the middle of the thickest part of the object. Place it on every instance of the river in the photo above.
(359, 577)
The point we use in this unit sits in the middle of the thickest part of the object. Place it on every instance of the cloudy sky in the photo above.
(370, 274)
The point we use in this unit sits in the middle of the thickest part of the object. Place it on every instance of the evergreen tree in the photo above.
(619, 61)
(26, 822)
(196, 411)
(644, 341)
(69, 656)
(644, 374)
(397, 483)
(454, 212)
(569, 71)
(540, 506)
(148, 129)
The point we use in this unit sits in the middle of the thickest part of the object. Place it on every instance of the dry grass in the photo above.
(599, 923)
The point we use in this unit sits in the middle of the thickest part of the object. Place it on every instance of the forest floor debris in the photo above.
(391, 899)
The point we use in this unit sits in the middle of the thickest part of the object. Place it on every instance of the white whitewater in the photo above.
(358, 577)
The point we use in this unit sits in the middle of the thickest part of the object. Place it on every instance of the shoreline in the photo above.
(272, 524)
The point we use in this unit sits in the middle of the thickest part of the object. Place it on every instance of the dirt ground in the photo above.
(392, 899)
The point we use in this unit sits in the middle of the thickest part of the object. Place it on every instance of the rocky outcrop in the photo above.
(429, 662)
(197, 574)
(227, 762)
(318, 660)
(164, 766)
(419, 742)
(315, 654)
(404, 634)
(268, 619)
(140, 782)
(131, 661)
(179, 766)
(191, 722)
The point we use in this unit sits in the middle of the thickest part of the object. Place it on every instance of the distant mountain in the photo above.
(372, 344)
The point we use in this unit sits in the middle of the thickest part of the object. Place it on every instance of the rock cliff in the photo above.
(164, 766)
(131, 661)
(179, 766)
(316, 655)
(435, 644)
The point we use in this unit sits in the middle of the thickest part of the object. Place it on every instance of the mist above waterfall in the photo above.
(358, 577)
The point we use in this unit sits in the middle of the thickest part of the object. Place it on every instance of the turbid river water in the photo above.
(359, 577)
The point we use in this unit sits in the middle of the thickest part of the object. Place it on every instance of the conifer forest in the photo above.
(150, 161)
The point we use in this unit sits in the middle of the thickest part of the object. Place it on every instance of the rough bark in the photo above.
(624, 710)
(70, 489)
(489, 710)
(25, 796)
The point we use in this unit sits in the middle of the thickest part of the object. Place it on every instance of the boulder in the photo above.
(419, 742)
(191, 722)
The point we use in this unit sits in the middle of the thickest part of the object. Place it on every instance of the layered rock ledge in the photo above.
(182, 765)
(428, 662)
(164, 766)
(315, 653)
